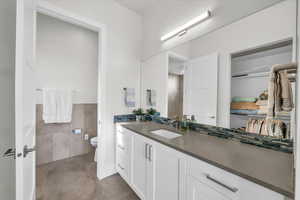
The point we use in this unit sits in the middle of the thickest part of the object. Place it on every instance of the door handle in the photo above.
(10, 153)
(27, 150)
(212, 117)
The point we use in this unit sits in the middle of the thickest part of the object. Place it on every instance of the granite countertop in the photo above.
(269, 168)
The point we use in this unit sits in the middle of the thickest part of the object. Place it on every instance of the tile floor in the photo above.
(75, 178)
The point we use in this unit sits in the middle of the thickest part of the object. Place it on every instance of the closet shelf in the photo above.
(251, 75)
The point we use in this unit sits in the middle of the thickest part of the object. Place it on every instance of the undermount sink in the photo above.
(166, 134)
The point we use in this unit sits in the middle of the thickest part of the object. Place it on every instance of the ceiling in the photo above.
(138, 6)
(143, 6)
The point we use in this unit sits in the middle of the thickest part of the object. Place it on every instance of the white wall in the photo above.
(154, 76)
(253, 31)
(7, 68)
(124, 32)
(270, 25)
(167, 15)
(67, 58)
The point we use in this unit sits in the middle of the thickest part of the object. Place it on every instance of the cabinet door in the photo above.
(166, 173)
(139, 166)
(196, 190)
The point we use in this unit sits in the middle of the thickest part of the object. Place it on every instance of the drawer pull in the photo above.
(122, 168)
(232, 189)
(146, 151)
(150, 153)
(121, 147)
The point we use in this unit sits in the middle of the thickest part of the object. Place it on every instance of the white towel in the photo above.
(130, 97)
(57, 106)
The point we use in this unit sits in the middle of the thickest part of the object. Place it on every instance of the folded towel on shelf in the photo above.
(262, 103)
(244, 106)
(244, 112)
(263, 110)
(57, 106)
(280, 92)
(244, 99)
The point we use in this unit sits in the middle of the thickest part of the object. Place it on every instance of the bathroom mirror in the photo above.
(219, 70)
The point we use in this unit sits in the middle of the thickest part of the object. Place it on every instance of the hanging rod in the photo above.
(281, 67)
(40, 90)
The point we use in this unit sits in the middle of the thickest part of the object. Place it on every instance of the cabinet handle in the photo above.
(121, 147)
(150, 153)
(146, 151)
(122, 168)
(232, 189)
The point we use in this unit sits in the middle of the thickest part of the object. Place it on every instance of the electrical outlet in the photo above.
(77, 131)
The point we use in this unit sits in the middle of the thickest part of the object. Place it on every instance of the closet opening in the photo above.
(176, 67)
(250, 79)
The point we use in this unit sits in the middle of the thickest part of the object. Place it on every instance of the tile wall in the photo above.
(56, 141)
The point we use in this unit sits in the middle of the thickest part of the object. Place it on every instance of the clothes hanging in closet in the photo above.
(267, 127)
(280, 92)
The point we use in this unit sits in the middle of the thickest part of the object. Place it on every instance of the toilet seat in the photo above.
(94, 141)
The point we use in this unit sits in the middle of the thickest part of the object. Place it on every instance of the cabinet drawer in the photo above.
(123, 141)
(216, 178)
(196, 190)
(123, 164)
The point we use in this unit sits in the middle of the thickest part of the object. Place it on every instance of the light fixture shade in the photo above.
(186, 26)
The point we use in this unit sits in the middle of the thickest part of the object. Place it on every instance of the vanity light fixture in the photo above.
(184, 28)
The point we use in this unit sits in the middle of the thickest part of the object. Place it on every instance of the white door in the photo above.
(201, 89)
(139, 166)
(7, 66)
(25, 100)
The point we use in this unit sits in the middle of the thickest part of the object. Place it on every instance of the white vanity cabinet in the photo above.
(205, 181)
(123, 152)
(155, 168)
(157, 172)
(142, 166)
(169, 173)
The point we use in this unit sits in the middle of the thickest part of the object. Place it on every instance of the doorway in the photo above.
(175, 87)
(66, 62)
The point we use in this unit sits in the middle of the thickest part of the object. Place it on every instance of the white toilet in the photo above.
(94, 142)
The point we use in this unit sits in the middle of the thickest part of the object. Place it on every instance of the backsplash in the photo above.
(277, 144)
(124, 118)
(56, 141)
